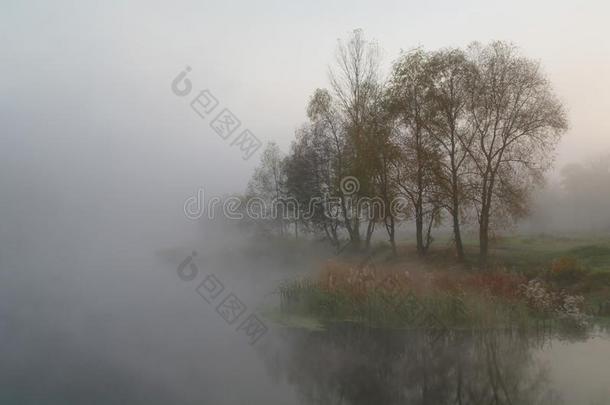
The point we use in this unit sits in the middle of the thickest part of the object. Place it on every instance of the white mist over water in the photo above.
(97, 157)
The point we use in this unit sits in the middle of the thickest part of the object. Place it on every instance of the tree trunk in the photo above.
(331, 234)
(457, 234)
(419, 230)
(353, 228)
(484, 237)
(369, 233)
(484, 222)
(390, 227)
(428, 240)
(356, 234)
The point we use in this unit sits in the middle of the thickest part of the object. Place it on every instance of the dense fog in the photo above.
(98, 155)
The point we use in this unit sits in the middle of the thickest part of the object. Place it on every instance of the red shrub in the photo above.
(498, 284)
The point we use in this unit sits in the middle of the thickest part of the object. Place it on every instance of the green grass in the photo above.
(305, 304)
(533, 256)
(529, 253)
(310, 307)
(595, 257)
(290, 320)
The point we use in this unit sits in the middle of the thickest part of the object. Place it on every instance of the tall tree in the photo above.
(516, 121)
(356, 88)
(309, 172)
(384, 155)
(329, 138)
(410, 95)
(267, 184)
(450, 71)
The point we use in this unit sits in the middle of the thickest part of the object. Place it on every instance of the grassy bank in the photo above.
(533, 280)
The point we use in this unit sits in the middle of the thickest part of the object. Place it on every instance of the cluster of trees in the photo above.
(460, 134)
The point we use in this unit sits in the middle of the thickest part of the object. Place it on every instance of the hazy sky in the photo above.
(85, 86)
(97, 156)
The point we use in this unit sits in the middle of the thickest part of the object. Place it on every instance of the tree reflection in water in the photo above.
(350, 364)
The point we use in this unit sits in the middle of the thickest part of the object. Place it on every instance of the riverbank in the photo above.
(532, 280)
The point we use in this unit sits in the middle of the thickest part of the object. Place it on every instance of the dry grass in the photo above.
(359, 279)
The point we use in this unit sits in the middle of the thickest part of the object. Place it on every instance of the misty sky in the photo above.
(97, 156)
(87, 111)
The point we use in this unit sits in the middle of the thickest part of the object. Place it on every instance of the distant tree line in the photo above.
(461, 135)
(578, 202)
